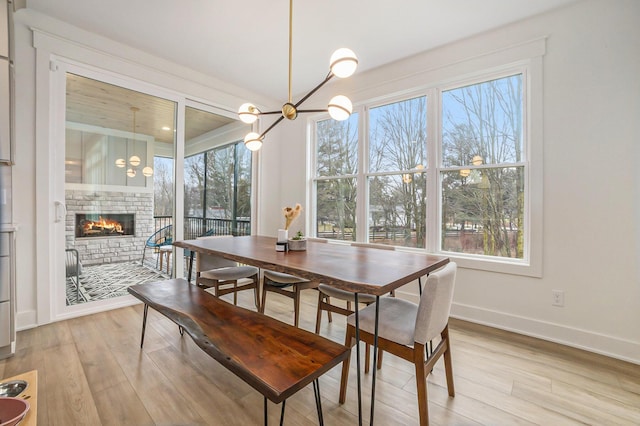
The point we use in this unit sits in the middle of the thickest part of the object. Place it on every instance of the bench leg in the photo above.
(144, 323)
(316, 391)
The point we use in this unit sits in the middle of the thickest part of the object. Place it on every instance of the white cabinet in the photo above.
(4, 29)
(7, 295)
(6, 80)
(5, 111)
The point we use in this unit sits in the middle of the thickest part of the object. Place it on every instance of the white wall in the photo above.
(591, 187)
(32, 209)
(591, 193)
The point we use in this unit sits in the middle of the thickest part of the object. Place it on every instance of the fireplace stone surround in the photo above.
(109, 249)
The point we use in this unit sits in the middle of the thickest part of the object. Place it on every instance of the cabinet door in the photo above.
(5, 279)
(5, 323)
(4, 29)
(5, 118)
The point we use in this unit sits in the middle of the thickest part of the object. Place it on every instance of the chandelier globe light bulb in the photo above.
(340, 107)
(343, 63)
(248, 113)
(252, 141)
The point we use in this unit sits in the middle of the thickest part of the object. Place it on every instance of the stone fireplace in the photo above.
(104, 224)
(99, 240)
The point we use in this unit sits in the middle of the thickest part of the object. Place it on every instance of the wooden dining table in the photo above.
(351, 268)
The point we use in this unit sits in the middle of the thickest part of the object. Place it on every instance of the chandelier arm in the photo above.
(301, 111)
(322, 83)
(271, 127)
(271, 112)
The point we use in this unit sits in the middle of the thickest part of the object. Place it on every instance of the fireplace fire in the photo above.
(104, 225)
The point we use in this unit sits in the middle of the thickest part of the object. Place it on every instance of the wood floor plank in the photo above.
(92, 371)
(68, 395)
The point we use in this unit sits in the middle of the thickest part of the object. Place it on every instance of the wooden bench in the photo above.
(275, 358)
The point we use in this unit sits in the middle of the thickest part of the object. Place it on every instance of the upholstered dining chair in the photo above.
(287, 285)
(224, 276)
(404, 329)
(326, 293)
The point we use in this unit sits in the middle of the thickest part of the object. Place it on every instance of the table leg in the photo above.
(358, 360)
(144, 323)
(375, 355)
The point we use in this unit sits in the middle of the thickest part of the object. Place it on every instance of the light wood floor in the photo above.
(91, 371)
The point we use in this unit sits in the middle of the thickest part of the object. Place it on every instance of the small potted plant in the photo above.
(298, 242)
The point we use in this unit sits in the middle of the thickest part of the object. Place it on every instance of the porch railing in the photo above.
(197, 226)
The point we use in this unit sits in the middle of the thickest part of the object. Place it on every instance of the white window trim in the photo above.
(532, 70)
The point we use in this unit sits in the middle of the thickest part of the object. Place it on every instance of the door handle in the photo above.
(60, 211)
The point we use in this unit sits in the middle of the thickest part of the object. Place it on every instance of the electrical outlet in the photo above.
(558, 297)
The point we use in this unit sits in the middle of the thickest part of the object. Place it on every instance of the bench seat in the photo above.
(275, 358)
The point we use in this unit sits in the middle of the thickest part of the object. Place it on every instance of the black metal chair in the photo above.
(73, 268)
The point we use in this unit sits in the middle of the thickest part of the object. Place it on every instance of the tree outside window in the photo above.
(481, 169)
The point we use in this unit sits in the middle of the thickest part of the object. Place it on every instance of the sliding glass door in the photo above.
(119, 162)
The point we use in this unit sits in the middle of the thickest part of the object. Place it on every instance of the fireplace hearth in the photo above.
(104, 225)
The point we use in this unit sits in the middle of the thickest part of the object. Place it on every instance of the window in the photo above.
(483, 202)
(463, 193)
(397, 178)
(218, 192)
(336, 171)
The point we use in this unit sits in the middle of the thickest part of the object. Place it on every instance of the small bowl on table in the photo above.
(12, 410)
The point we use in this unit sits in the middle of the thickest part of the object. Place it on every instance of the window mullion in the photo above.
(362, 195)
(434, 143)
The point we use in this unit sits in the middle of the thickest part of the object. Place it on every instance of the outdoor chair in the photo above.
(404, 329)
(73, 268)
(161, 237)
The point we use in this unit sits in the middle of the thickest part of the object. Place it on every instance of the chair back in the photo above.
(207, 262)
(435, 303)
(163, 236)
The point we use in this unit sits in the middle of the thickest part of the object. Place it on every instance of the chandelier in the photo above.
(343, 63)
(134, 160)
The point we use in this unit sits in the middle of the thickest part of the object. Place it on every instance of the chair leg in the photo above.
(256, 291)
(329, 312)
(264, 298)
(319, 312)
(367, 357)
(380, 352)
(349, 341)
(235, 293)
(448, 365)
(296, 304)
(421, 383)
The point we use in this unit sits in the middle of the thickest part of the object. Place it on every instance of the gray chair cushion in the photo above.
(285, 279)
(346, 295)
(397, 320)
(230, 274)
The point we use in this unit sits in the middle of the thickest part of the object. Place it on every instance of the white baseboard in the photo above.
(602, 344)
(614, 347)
(26, 320)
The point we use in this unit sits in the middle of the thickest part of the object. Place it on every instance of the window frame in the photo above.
(532, 119)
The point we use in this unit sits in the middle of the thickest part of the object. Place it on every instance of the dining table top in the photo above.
(351, 268)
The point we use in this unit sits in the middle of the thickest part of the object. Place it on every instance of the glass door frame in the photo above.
(56, 244)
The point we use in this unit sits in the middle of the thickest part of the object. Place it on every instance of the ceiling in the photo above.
(104, 105)
(245, 43)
